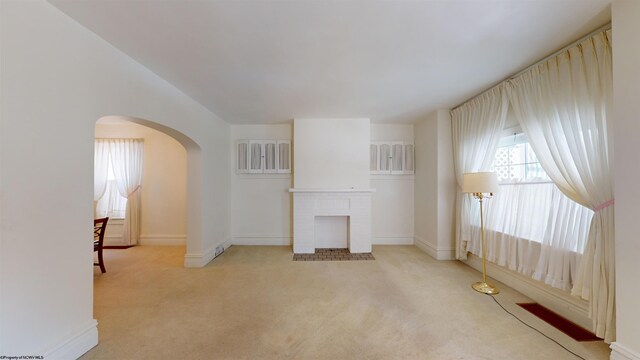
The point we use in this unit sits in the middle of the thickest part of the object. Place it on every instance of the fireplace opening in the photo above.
(332, 232)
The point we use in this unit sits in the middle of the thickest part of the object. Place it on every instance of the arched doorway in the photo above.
(193, 180)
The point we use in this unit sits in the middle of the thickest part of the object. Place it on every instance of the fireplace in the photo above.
(331, 176)
(310, 204)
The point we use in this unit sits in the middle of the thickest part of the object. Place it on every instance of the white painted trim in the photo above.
(400, 177)
(435, 252)
(561, 302)
(114, 241)
(162, 240)
(115, 221)
(200, 260)
(243, 176)
(621, 352)
(262, 240)
(76, 345)
(227, 243)
(299, 190)
(392, 240)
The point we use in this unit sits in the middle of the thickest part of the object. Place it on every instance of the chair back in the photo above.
(99, 227)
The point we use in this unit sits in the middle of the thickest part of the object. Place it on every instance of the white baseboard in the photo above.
(392, 240)
(435, 252)
(195, 260)
(621, 352)
(560, 302)
(162, 240)
(76, 345)
(254, 240)
(262, 240)
(227, 243)
(114, 241)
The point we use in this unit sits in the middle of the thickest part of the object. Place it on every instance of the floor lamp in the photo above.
(482, 185)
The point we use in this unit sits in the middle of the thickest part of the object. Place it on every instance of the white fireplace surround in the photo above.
(309, 203)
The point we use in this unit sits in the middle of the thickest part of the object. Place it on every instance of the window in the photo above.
(515, 161)
(118, 168)
(530, 225)
(111, 204)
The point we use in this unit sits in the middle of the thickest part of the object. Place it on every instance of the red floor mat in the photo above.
(576, 332)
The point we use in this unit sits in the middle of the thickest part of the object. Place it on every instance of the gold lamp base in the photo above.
(485, 288)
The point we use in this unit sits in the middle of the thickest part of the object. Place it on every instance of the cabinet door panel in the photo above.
(408, 158)
(397, 158)
(373, 159)
(284, 156)
(242, 156)
(270, 156)
(256, 156)
(384, 159)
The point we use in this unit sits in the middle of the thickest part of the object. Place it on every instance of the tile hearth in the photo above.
(332, 255)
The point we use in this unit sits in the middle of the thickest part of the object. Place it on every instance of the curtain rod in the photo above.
(556, 53)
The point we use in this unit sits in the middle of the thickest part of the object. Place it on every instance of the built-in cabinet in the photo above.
(263, 157)
(391, 157)
(274, 157)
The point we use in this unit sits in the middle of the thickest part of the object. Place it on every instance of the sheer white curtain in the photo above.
(100, 170)
(534, 229)
(564, 107)
(127, 158)
(476, 127)
(564, 241)
(111, 204)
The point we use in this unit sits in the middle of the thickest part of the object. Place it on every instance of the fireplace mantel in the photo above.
(311, 203)
(297, 190)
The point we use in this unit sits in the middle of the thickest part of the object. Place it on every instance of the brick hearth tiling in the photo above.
(332, 255)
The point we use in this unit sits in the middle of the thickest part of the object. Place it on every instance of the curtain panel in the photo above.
(127, 159)
(564, 107)
(476, 127)
(100, 171)
(534, 229)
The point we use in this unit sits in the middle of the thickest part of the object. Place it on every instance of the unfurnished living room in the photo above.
(280, 179)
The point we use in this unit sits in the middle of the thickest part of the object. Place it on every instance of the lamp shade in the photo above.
(480, 182)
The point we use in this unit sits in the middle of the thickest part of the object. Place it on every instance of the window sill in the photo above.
(243, 176)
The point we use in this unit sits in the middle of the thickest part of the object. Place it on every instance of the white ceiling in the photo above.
(392, 61)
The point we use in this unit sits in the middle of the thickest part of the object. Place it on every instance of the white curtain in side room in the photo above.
(127, 159)
(564, 107)
(534, 229)
(111, 204)
(476, 128)
(100, 169)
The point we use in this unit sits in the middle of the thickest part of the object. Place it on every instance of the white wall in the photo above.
(331, 153)
(435, 186)
(57, 79)
(164, 185)
(626, 87)
(260, 203)
(392, 205)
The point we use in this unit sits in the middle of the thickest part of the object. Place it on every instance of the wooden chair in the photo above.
(99, 227)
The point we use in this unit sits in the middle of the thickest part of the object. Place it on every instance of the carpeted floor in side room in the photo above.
(255, 303)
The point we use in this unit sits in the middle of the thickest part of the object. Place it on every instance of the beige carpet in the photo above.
(255, 303)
